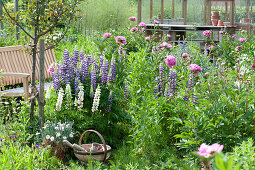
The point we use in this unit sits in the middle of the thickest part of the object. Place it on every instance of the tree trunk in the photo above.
(41, 101)
(34, 90)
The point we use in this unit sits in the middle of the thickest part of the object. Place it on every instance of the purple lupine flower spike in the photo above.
(75, 58)
(113, 68)
(109, 105)
(195, 99)
(110, 76)
(85, 69)
(93, 77)
(104, 72)
(173, 83)
(76, 84)
(190, 82)
(186, 98)
(82, 54)
(89, 57)
(126, 92)
(56, 81)
(101, 60)
(161, 78)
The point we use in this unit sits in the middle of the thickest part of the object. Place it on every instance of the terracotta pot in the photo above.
(220, 23)
(214, 22)
(214, 17)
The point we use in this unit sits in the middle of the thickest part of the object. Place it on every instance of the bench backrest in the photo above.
(16, 59)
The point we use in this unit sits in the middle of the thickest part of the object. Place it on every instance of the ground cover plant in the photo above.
(159, 105)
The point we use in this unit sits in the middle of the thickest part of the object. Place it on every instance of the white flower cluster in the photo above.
(56, 132)
(80, 97)
(60, 99)
(96, 99)
(48, 92)
(68, 94)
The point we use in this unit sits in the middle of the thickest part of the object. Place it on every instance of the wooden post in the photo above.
(172, 9)
(209, 13)
(26, 89)
(16, 9)
(151, 9)
(1, 14)
(232, 20)
(162, 12)
(226, 11)
(41, 101)
(139, 11)
(184, 11)
(247, 8)
(205, 12)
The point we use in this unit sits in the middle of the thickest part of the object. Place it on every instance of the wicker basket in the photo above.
(99, 156)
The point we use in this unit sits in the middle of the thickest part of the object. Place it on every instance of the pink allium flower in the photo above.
(195, 68)
(207, 32)
(241, 40)
(211, 47)
(185, 55)
(132, 18)
(107, 35)
(171, 61)
(121, 40)
(216, 148)
(168, 36)
(221, 32)
(156, 22)
(204, 150)
(239, 48)
(51, 68)
(134, 29)
(165, 44)
(148, 38)
(142, 24)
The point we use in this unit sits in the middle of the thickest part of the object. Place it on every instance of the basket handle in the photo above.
(100, 136)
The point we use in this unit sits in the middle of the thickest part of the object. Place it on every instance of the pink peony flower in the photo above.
(253, 66)
(241, 40)
(207, 32)
(132, 18)
(239, 48)
(107, 35)
(51, 69)
(171, 61)
(121, 40)
(208, 150)
(216, 148)
(165, 44)
(156, 22)
(204, 150)
(211, 47)
(148, 38)
(134, 29)
(168, 36)
(142, 24)
(195, 68)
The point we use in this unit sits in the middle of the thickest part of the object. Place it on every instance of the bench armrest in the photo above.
(24, 76)
(15, 74)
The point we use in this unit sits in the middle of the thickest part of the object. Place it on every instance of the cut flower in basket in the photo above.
(54, 133)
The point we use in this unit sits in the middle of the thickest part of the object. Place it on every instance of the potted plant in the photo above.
(53, 135)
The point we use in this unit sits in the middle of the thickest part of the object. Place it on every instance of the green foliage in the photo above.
(100, 15)
(244, 154)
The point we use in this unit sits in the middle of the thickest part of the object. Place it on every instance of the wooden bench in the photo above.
(16, 65)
